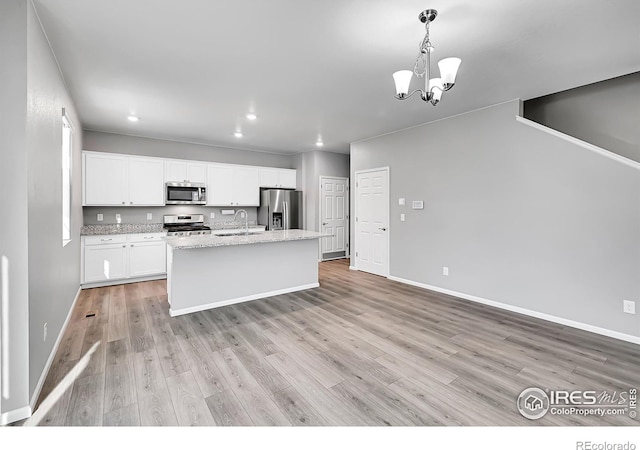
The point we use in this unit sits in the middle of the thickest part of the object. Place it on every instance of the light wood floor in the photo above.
(359, 350)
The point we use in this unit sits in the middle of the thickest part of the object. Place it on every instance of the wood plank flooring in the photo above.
(358, 350)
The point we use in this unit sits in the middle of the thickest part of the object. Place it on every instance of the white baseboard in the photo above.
(123, 281)
(54, 350)
(179, 312)
(15, 415)
(526, 312)
(352, 268)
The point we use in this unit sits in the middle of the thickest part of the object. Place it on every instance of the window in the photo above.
(67, 147)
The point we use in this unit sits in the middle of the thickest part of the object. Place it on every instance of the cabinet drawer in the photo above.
(146, 237)
(108, 239)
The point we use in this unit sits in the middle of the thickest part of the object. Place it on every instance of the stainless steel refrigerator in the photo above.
(280, 209)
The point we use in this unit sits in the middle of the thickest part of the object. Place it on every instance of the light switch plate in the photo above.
(212, 215)
(402, 217)
(417, 204)
(149, 216)
(118, 218)
(401, 201)
(100, 217)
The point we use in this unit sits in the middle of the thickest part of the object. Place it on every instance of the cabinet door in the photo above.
(175, 171)
(105, 179)
(105, 262)
(219, 185)
(147, 258)
(246, 186)
(268, 177)
(197, 172)
(287, 178)
(146, 181)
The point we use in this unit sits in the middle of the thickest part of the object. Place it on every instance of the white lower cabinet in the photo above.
(121, 258)
(147, 258)
(105, 262)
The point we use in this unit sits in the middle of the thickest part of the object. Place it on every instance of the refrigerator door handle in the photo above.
(286, 216)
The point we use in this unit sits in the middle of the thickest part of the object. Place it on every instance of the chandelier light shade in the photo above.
(402, 79)
(433, 87)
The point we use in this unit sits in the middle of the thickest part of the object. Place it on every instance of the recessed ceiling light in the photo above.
(319, 144)
(238, 134)
(252, 116)
(133, 118)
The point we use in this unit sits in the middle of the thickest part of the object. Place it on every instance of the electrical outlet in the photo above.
(212, 215)
(118, 218)
(402, 217)
(445, 271)
(242, 214)
(628, 306)
(149, 216)
(44, 332)
(99, 217)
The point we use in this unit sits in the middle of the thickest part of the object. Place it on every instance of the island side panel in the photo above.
(205, 278)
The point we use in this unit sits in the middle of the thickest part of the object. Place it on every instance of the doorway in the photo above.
(334, 217)
(372, 221)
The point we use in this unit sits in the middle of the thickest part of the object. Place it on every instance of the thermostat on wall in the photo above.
(417, 204)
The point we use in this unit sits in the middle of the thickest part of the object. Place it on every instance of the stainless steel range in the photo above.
(185, 225)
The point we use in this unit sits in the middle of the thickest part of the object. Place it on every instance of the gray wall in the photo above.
(605, 114)
(519, 216)
(13, 178)
(54, 270)
(311, 166)
(141, 146)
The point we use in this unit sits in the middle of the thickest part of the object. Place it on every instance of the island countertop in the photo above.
(206, 241)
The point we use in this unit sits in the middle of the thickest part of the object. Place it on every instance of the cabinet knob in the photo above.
(123, 246)
(131, 203)
(123, 203)
(132, 245)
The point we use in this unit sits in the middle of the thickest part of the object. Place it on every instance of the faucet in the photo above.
(246, 220)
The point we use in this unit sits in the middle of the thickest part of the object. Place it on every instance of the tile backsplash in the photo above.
(138, 214)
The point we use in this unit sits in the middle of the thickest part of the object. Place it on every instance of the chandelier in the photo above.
(433, 87)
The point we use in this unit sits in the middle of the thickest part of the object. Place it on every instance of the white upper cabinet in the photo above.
(176, 170)
(246, 189)
(229, 185)
(112, 180)
(288, 178)
(125, 180)
(105, 179)
(146, 176)
(277, 178)
(219, 185)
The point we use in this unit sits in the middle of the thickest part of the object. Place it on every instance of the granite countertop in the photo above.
(122, 228)
(182, 243)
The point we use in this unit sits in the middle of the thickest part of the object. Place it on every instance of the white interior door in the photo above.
(372, 221)
(334, 217)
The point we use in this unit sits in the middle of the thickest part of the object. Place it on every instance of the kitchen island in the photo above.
(205, 272)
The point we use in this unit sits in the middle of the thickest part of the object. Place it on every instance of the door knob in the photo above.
(324, 223)
(383, 229)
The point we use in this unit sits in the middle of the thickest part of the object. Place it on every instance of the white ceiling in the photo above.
(192, 69)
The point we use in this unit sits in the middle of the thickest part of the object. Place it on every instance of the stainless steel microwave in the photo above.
(185, 194)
